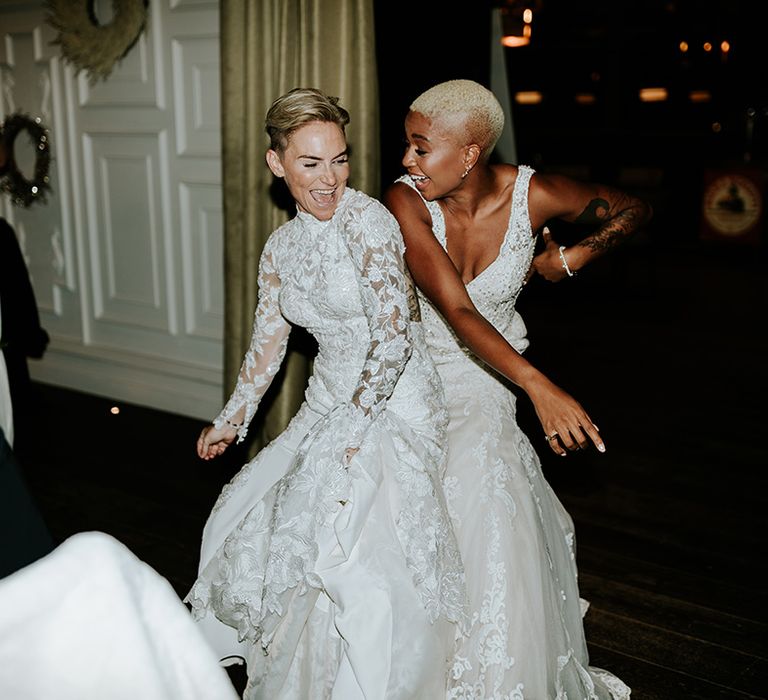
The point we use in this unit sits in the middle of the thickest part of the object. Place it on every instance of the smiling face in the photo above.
(315, 166)
(434, 157)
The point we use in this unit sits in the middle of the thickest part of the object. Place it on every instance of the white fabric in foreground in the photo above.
(92, 621)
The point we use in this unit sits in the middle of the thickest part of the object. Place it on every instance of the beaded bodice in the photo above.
(495, 290)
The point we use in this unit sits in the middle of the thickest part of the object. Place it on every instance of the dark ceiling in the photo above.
(638, 40)
(611, 48)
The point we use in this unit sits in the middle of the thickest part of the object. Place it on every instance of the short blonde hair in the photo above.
(467, 105)
(298, 107)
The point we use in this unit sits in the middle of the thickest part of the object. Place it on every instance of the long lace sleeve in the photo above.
(376, 247)
(267, 349)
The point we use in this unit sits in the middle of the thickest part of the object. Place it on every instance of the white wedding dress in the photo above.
(526, 639)
(338, 580)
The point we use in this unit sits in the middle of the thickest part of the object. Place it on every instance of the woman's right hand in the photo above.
(566, 424)
(213, 441)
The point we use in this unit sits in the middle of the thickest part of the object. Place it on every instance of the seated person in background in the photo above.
(22, 336)
(23, 534)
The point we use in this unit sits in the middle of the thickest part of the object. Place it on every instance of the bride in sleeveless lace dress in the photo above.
(328, 563)
(469, 231)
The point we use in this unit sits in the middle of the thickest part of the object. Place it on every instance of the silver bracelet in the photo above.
(571, 273)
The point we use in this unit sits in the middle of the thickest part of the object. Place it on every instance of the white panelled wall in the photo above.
(126, 255)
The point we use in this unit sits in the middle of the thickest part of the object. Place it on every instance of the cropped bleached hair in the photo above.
(298, 107)
(466, 105)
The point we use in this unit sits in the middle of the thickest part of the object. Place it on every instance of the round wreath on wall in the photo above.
(25, 191)
(89, 45)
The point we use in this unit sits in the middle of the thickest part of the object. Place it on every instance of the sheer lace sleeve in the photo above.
(376, 247)
(267, 349)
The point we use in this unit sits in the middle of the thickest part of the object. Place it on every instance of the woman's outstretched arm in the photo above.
(261, 363)
(437, 277)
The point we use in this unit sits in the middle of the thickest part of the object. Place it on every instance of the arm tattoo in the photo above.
(617, 217)
(595, 211)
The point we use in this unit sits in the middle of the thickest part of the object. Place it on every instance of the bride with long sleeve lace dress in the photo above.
(328, 562)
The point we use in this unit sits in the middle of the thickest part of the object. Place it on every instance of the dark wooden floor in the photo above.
(662, 345)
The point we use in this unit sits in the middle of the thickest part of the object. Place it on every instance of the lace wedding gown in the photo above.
(337, 581)
(526, 639)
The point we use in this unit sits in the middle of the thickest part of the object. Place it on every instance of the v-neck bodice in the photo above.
(441, 232)
(495, 289)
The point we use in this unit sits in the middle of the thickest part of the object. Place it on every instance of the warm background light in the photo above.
(529, 97)
(585, 98)
(516, 26)
(653, 94)
(114, 410)
(684, 46)
(700, 96)
(707, 46)
(512, 41)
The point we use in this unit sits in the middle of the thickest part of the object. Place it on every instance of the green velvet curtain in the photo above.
(267, 48)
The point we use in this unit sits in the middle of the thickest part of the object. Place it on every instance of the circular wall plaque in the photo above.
(732, 205)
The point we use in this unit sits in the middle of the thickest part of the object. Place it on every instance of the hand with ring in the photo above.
(567, 426)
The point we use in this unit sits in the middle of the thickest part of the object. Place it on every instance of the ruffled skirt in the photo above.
(334, 582)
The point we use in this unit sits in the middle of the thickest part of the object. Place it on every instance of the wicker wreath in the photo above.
(91, 46)
(24, 192)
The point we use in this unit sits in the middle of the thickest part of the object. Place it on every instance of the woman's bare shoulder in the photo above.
(505, 170)
(505, 176)
(404, 201)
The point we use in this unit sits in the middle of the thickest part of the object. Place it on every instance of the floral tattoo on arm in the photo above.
(618, 215)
